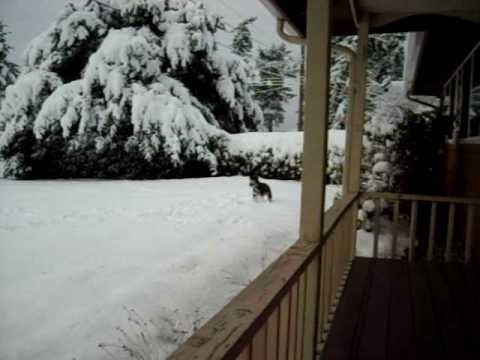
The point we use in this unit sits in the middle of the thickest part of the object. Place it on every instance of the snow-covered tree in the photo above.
(385, 64)
(8, 70)
(242, 43)
(275, 65)
(130, 88)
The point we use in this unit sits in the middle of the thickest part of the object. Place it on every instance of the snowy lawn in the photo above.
(77, 256)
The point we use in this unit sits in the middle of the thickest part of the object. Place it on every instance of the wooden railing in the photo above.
(459, 214)
(286, 311)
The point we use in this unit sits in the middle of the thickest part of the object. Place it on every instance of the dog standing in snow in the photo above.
(260, 190)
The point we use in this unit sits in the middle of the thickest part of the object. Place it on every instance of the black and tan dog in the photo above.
(260, 190)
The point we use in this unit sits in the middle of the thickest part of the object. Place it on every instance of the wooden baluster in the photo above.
(273, 333)
(292, 333)
(413, 229)
(469, 235)
(335, 262)
(259, 342)
(246, 353)
(353, 231)
(283, 332)
(431, 233)
(376, 228)
(451, 223)
(322, 295)
(330, 247)
(312, 309)
(396, 214)
(301, 315)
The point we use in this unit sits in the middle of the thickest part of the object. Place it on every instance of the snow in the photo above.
(382, 167)
(368, 206)
(390, 109)
(365, 241)
(23, 98)
(73, 254)
(283, 143)
(165, 110)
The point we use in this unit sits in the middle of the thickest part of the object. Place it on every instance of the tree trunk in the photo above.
(301, 100)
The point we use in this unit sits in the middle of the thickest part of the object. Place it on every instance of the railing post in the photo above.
(450, 228)
(355, 122)
(469, 234)
(356, 114)
(315, 154)
(413, 230)
(396, 214)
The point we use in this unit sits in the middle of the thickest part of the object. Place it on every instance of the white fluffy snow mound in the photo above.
(282, 143)
(74, 254)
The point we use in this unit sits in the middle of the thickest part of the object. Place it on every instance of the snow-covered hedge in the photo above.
(277, 155)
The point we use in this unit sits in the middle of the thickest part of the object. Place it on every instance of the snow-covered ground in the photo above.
(77, 256)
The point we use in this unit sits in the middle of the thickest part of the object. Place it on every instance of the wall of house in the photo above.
(463, 170)
(462, 178)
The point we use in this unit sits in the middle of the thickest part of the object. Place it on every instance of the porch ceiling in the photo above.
(385, 15)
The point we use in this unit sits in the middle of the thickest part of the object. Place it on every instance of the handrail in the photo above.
(335, 213)
(469, 206)
(231, 330)
(225, 335)
(416, 197)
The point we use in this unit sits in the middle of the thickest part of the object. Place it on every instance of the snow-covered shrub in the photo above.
(276, 155)
(399, 132)
(404, 145)
(8, 69)
(20, 107)
(146, 94)
(269, 155)
(336, 157)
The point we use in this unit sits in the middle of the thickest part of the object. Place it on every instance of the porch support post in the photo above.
(355, 122)
(316, 119)
(315, 156)
(353, 150)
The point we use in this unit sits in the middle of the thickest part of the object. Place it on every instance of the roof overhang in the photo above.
(433, 57)
(448, 31)
(385, 15)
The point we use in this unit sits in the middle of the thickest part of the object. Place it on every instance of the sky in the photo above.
(27, 18)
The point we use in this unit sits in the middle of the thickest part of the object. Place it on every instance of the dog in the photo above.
(259, 189)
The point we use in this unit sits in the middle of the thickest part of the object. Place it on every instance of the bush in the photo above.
(268, 155)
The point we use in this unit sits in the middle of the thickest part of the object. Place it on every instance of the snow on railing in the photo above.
(448, 239)
(283, 314)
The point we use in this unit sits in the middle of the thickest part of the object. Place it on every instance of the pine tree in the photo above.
(275, 65)
(242, 43)
(134, 88)
(385, 64)
(301, 91)
(8, 70)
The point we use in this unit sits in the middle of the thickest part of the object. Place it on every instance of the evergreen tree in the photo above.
(242, 41)
(385, 64)
(134, 88)
(8, 70)
(275, 65)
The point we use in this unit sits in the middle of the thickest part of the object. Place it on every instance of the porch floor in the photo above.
(393, 309)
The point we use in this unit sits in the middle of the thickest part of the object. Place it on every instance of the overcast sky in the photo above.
(27, 18)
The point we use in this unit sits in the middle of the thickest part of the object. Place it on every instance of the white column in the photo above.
(315, 156)
(353, 149)
(316, 119)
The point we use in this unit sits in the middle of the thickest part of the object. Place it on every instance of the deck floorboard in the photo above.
(392, 309)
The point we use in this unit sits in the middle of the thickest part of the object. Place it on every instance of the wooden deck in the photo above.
(393, 309)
